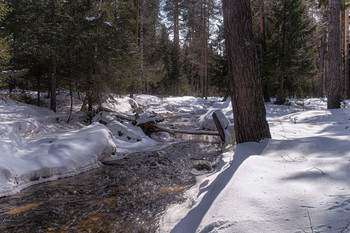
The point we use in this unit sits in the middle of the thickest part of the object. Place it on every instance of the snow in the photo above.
(36, 146)
(296, 182)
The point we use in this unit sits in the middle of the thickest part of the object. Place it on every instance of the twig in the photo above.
(345, 228)
(311, 227)
(317, 169)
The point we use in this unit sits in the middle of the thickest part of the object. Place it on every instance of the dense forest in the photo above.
(161, 47)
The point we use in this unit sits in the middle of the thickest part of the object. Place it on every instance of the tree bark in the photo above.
(142, 81)
(334, 56)
(322, 55)
(53, 58)
(206, 37)
(137, 21)
(247, 99)
(264, 76)
(346, 51)
(176, 25)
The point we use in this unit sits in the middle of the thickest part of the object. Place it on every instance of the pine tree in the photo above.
(247, 99)
(334, 56)
(290, 56)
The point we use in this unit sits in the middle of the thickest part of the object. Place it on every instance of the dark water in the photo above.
(128, 195)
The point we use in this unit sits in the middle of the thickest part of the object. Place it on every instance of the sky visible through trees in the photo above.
(163, 47)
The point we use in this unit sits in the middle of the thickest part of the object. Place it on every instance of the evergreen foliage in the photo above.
(95, 47)
(290, 58)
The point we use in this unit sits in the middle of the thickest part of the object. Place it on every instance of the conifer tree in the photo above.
(290, 56)
(247, 99)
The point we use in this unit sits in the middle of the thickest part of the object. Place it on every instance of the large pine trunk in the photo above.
(247, 99)
(334, 56)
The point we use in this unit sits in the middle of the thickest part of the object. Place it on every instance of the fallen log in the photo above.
(183, 131)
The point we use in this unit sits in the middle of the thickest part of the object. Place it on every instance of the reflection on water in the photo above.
(128, 195)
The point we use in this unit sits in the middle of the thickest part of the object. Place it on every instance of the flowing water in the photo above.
(126, 195)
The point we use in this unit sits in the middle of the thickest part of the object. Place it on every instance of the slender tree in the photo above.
(53, 57)
(322, 56)
(334, 56)
(346, 52)
(247, 99)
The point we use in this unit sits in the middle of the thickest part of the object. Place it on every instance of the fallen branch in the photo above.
(183, 131)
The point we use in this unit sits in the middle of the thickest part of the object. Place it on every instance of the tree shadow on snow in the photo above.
(192, 220)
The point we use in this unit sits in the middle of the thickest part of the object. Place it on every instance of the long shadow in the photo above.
(192, 220)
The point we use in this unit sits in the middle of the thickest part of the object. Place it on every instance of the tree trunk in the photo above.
(264, 76)
(142, 81)
(176, 25)
(202, 74)
(206, 36)
(247, 99)
(322, 55)
(137, 21)
(192, 79)
(334, 56)
(346, 51)
(39, 89)
(53, 58)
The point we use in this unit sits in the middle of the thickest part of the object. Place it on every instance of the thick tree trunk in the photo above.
(334, 56)
(247, 99)
(322, 55)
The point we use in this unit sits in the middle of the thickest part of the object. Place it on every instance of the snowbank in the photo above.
(52, 158)
(296, 182)
(36, 146)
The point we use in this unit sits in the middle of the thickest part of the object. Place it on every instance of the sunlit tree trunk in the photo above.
(247, 99)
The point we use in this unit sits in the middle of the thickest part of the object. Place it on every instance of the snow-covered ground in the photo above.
(37, 145)
(298, 181)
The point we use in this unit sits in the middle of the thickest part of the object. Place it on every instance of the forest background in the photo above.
(161, 47)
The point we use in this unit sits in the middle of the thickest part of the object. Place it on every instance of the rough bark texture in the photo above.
(334, 56)
(247, 99)
(322, 55)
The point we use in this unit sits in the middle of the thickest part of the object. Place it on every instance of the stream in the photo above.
(125, 195)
